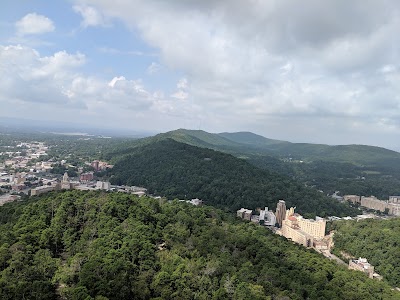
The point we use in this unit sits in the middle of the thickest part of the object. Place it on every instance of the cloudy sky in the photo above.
(308, 71)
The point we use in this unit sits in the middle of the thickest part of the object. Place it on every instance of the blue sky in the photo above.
(320, 72)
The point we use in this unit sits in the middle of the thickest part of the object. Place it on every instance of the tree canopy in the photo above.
(178, 170)
(94, 245)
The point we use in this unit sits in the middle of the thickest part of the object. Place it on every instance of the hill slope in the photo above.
(328, 168)
(178, 170)
(377, 240)
(91, 245)
(251, 139)
(356, 154)
(247, 143)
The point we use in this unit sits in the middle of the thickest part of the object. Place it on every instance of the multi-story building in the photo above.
(95, 165)
(373, 203)
(352, 198)
(103, 185)
(394, 199)
(244, 213)
(392, 206)
(280, 212)
(267, 217)
(362, 265)
(302, 231)
(44, 189)
(85, 177)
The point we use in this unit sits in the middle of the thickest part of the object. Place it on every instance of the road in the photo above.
(331, 256)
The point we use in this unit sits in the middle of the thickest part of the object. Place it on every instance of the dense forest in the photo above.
(376, 240)
(347, 178)
(93, 245)
(177, 170)
(351, 169)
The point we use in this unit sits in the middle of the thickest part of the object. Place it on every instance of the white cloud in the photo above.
(154, 68)
(181, 95)
(115, 79)
(25, 76)
(53, 87)
(270, 58)
(91, 16)
(251, 64)
(182, 84)
(34, 24)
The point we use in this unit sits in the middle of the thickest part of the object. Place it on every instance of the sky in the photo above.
(303, 71)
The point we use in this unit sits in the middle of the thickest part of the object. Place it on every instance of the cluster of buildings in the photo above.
(390, 206)
(67, 184)
(307, 232)
(266, 217)
(364, 266)
(22, 154)
(23, 170)
(195, 202)
(100, 165)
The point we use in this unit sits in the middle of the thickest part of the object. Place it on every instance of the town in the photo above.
(27, 170)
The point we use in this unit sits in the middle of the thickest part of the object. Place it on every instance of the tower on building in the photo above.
(65, 183)
(95, 165)
(280, 212)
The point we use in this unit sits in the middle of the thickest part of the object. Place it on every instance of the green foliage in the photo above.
(177, 170)
(93, 245)
(350, 169)
(376, 240)
(347, 178)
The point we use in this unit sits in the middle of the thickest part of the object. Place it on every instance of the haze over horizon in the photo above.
(321, 72)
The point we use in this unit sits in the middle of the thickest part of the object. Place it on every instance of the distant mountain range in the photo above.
(359, 169)
(250, 143)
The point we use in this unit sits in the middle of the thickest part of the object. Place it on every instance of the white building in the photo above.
(103, 185)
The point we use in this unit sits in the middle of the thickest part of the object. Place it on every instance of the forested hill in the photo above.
(98, 246)
(178, 170)
(250, 143)
(377, 240)
(356, 154)
(252, 139)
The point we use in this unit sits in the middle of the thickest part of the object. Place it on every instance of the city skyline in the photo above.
(320, 73)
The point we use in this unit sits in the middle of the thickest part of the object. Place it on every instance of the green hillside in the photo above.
(179, 170)
(350, 169)
(377, 240)
(251, 139)
(247, 143)
(92, 245)
(356, 154)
